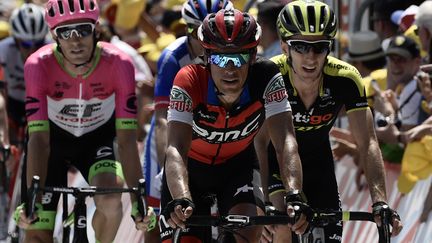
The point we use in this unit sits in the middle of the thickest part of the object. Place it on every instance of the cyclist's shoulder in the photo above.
(338, 69)
(7, 44)
(174, 52)
(262, 71)
(194, 72)
(193, 77)
(41, 56)
(282, 63)
(8, 48)
(111, 53)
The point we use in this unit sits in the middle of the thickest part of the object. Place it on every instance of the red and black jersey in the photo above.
(220, 134)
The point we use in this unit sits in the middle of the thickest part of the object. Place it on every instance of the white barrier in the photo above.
(408, 206)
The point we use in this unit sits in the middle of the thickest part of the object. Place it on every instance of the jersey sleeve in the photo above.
(181, 98)
(125, 98)
(353, 91)
(168, 67)
(36, 95)
(275, 96)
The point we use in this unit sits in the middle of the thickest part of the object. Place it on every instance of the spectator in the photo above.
(424, 24)
(365, 52)
(403, 63)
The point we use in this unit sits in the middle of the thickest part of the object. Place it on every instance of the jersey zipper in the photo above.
(227, 115)
(80, 102)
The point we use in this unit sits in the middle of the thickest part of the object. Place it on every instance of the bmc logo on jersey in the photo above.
(275, 90)
(213, 135)
(180, 100)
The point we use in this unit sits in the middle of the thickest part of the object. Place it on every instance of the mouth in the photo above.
(309, 69)
(230, 81)
(77, 51)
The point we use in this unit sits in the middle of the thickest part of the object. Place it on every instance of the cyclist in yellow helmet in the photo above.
(318, 87)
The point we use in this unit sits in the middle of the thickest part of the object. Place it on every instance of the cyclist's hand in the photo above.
(299, 210)
(22, 220)
(177, 211)
(149, 221)
(379, 208)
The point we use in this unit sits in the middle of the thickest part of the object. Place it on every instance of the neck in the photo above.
(78, 69)
(230, 100)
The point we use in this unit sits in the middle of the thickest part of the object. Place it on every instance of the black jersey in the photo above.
(341, 86)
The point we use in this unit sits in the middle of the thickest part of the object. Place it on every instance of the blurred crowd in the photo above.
(393, 55)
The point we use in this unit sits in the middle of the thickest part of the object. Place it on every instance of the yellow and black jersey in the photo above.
(341, 86)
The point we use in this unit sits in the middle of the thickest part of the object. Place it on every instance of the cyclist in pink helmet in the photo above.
(81, 97)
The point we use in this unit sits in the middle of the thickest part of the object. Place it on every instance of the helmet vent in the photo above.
(322, 18)
(299, 17)
(71, 6)
(92, 5)
(51, 12)
(21, 21)
(33, 26)
(311, 18)
(81, 5)
(61, 10)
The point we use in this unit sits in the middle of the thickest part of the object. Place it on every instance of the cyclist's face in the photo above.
(76, 40)
(308, 55)
(229, 70)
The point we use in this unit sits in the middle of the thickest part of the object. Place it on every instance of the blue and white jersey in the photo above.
(173, 57)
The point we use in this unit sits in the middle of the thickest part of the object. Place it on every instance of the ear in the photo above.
(54, 36)
(253, 53)
(98, 29)
(284, 47)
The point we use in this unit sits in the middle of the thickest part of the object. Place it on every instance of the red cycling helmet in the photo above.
(229, 29)
(60, 11)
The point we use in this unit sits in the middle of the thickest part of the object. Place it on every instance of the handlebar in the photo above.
(35, 187)
(319, 219)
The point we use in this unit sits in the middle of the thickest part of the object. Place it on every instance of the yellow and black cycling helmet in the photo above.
(306, 17)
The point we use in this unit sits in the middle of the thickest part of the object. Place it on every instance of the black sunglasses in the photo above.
(303, 47)
(31, 44)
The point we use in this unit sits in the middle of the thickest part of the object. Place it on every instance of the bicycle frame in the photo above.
(80, 208)
(319, 219)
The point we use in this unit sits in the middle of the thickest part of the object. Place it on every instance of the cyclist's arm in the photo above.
(128, 152)
(281, 130)
(38, 146)
(362, 127)
(167, 70)
(4, 128)
(179, 142)
(161, 133)
(261, 143)
(126, 123)
(38, 150)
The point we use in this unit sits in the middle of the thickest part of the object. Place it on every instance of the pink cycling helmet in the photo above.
(60, 11)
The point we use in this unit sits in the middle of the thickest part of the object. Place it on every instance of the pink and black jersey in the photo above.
(80, 104)
(220, 134)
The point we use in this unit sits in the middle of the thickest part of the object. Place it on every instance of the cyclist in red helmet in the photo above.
(215, 111)
(80, 95)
